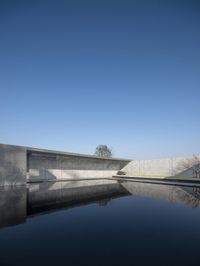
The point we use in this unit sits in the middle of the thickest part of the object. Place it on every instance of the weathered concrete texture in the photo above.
(160, 167)
(12, 165)
(51, 166)
(19, 163)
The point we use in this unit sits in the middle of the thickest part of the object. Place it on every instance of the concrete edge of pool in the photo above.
(160, 180)
(120, 178)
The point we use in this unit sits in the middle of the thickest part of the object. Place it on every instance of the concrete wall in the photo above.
(57, 166)
(160, 167)
(12, 165)
(17, 164)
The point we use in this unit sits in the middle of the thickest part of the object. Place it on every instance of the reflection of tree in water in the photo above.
(192, 164)
(104, 202)
(190, 196)
(196, 192)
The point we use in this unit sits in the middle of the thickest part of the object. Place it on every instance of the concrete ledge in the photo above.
(156, 180)
(68, 179)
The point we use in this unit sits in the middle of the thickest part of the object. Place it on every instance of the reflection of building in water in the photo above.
(186, 195)
(16, 203)
(191, 196)
(13, 208)
(53, 195)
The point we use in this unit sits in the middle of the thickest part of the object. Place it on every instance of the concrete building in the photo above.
(19, 164)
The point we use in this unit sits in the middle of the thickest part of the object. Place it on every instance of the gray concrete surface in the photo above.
(45, 165)
(17, 164)
(159, 167)
(190, 182)
(13, 165)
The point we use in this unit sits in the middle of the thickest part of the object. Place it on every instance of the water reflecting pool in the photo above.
(102, 222)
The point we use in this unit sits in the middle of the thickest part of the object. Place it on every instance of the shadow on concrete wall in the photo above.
(10, 174)
(164, 167)
(12, 165)
(52, 167)
(189, 167)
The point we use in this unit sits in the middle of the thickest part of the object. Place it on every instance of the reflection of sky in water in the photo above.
(100, 223)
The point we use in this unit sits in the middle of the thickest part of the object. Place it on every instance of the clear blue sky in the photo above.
(75, 74)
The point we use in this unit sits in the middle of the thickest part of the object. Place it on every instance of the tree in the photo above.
(103, 151)
(192, 164)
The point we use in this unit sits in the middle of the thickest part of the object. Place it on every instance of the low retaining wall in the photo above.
(165, 167)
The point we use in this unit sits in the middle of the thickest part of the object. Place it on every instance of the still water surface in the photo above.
(100, 223)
